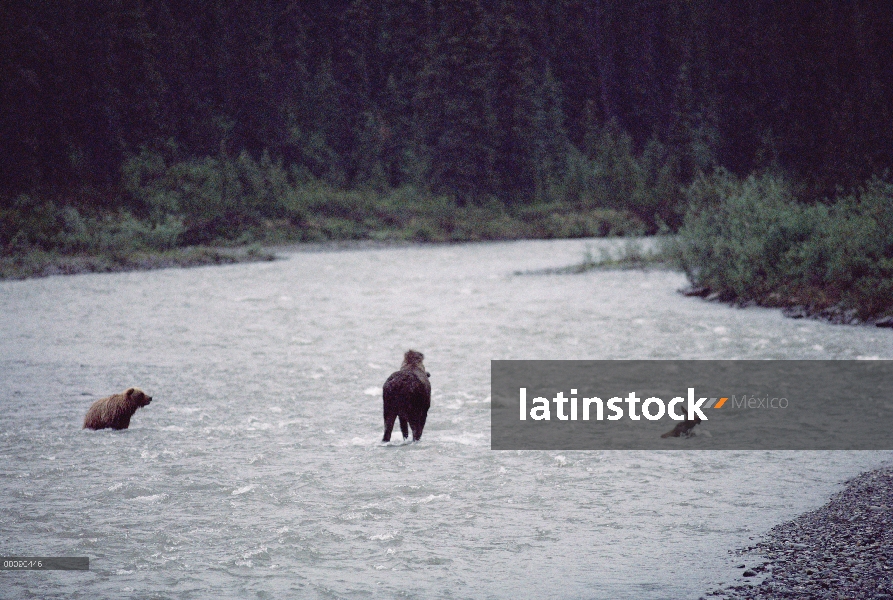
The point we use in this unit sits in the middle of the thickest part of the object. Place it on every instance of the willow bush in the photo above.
(750, 239)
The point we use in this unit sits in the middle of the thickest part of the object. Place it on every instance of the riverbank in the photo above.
(757, 241)
(793, 308)
(41, 237)
(842, 550)
(43, 264)
(653, 252)
(632, 255)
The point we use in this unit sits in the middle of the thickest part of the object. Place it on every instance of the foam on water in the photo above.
(258, 471)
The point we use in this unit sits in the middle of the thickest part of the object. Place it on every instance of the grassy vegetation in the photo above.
(744, 240)
(633, 254)
(222, 199)
(64, 241)
(196, 211)
(752, 240)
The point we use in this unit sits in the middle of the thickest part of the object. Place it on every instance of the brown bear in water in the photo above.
(116, 410)
(407, 394)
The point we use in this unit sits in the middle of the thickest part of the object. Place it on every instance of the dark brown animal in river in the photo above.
(683, 429)
(407, 395)
(116, 410)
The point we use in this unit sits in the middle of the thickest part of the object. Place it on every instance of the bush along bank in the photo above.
(751, 242)
(66, 242)
(40, 237)
(213, 210)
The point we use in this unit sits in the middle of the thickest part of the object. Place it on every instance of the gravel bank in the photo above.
(836, 315)
(842, 550)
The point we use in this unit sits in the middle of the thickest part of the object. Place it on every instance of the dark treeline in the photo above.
(471, 99)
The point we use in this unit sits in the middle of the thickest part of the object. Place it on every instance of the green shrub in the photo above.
(751, 239)
(560, 220)
(858, 245)
(614, 177)
(29, 223)
(40, 225)
(217, 198)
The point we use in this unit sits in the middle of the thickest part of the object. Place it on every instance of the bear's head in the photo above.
(413, 359)
(137, 397)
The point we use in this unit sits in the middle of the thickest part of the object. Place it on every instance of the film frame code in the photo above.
(44, 563)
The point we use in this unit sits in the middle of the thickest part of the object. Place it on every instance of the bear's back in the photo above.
(408, 385)
(113, 412)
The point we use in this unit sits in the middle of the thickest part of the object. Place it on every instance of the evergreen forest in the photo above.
(150, 124)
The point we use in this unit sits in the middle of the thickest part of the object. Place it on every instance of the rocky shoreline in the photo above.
(842, 550)
(837, 315)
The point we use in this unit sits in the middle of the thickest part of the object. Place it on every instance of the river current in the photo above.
(257, 470)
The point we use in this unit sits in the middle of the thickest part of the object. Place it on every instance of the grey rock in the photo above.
(795, 312)
(695, 290)
(842, 550)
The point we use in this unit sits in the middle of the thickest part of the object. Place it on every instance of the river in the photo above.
(257, 471)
